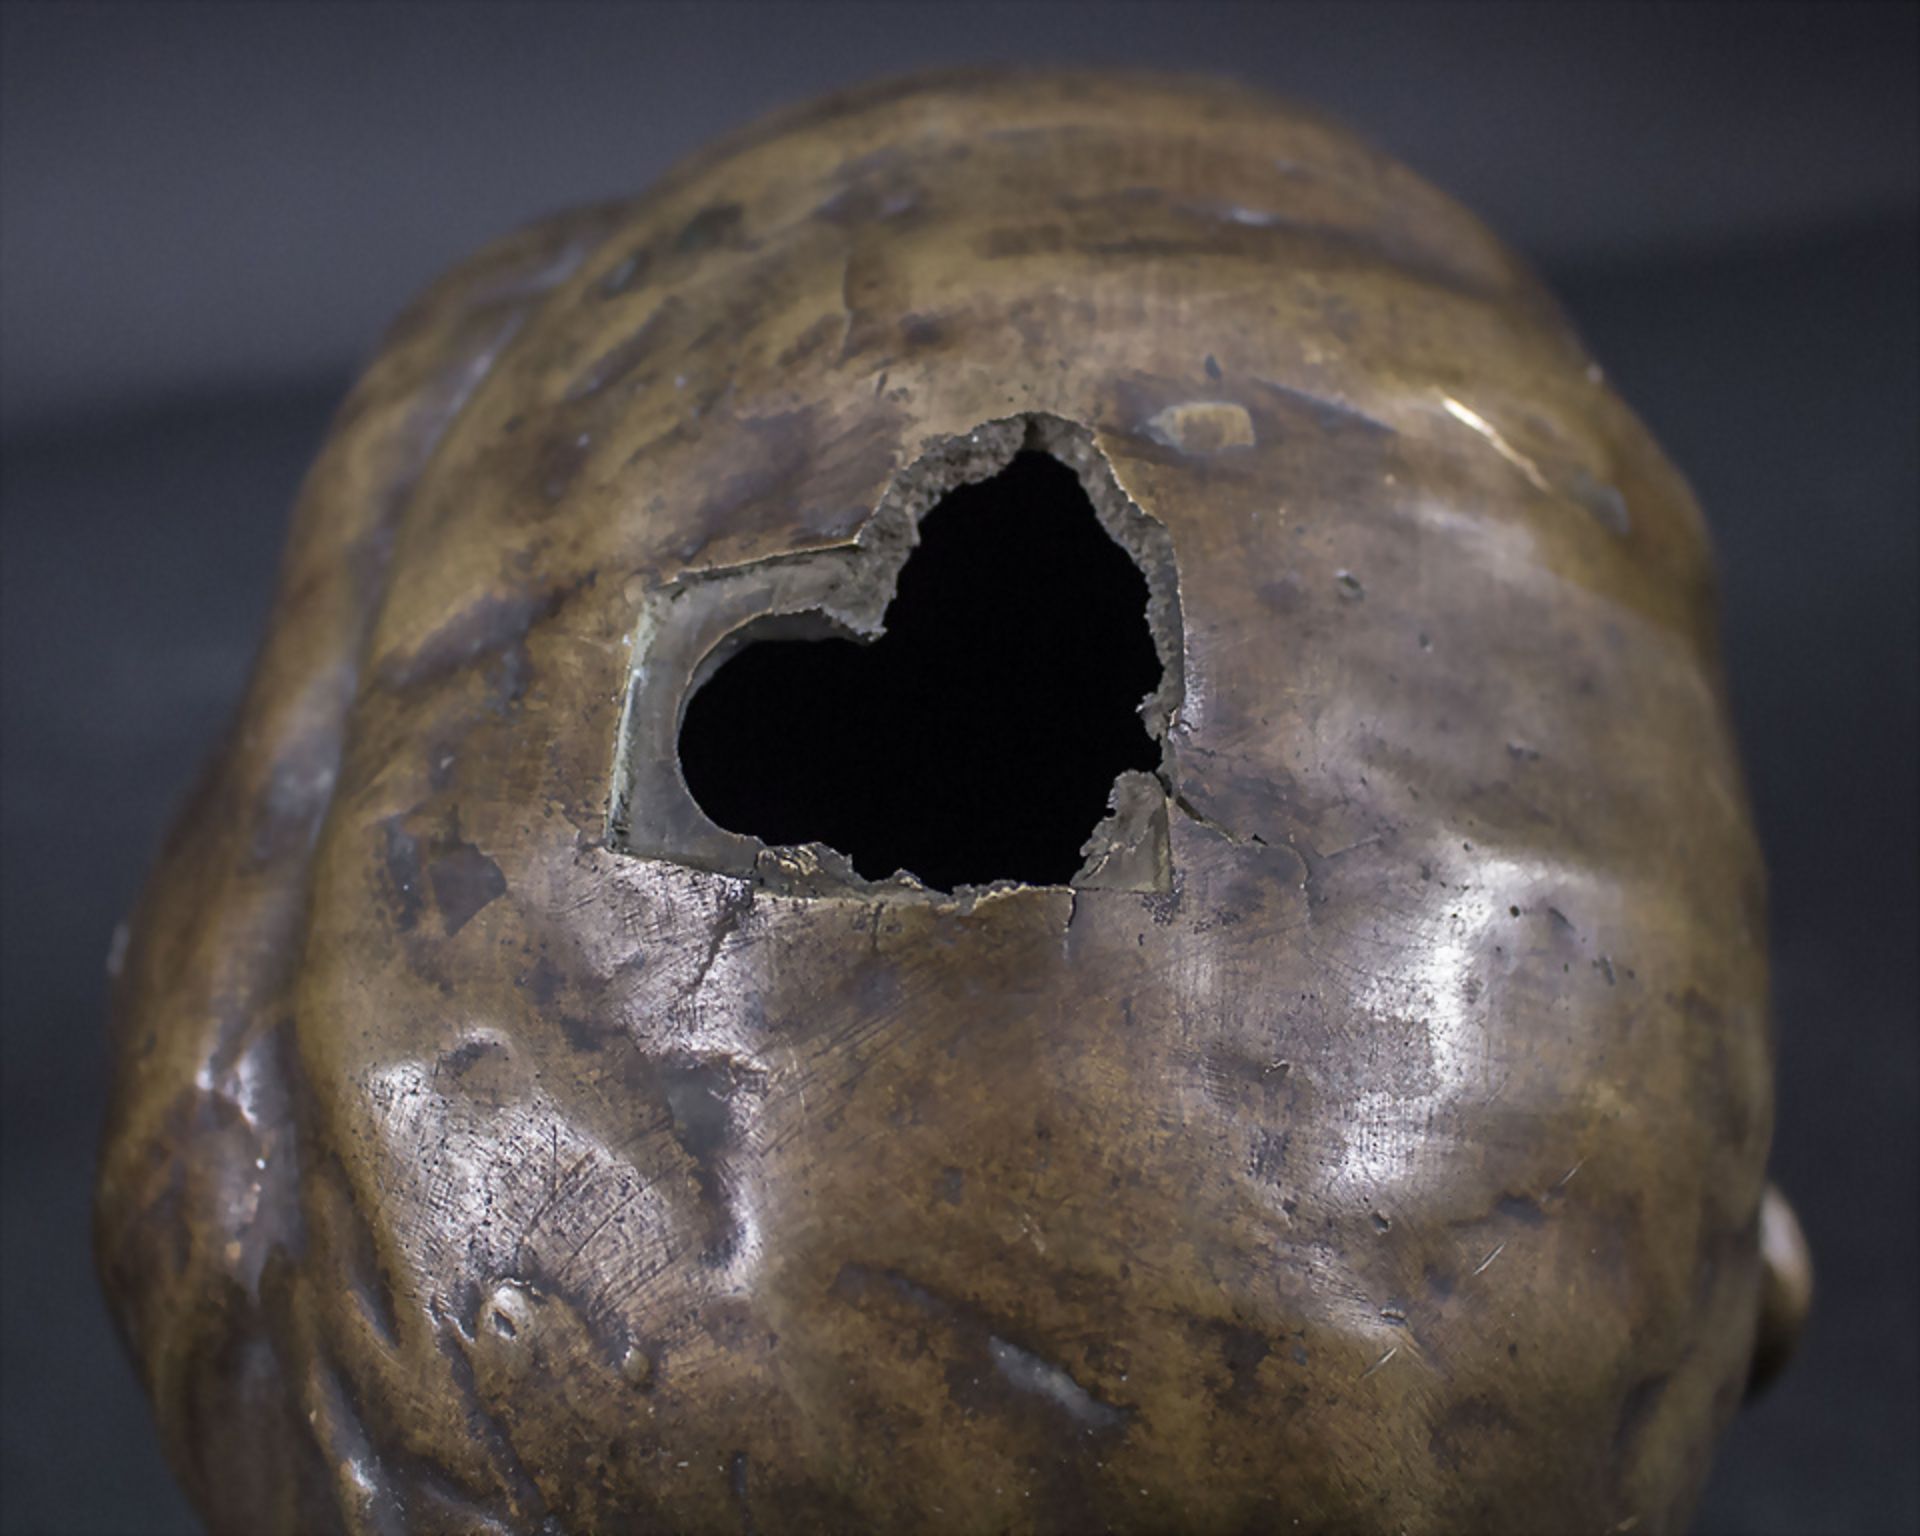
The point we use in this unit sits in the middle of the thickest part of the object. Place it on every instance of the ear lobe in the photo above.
(1786, 1290)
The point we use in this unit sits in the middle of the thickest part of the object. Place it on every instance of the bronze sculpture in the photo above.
(1365, 1126)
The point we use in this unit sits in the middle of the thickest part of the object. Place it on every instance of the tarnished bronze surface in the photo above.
(1371, 1139)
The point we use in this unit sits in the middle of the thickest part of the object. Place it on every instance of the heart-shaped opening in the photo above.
(979, 738)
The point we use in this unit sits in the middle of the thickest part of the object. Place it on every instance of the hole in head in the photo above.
(978, 739)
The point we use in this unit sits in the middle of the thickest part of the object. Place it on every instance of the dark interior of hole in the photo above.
(979, 737)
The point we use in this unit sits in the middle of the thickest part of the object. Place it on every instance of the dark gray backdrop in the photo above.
(207, 212)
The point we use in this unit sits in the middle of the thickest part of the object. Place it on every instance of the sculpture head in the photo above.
(1012, 812)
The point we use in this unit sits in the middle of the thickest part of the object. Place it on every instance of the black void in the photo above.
(979, 737)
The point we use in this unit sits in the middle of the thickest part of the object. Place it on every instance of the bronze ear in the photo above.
(1786, 1290)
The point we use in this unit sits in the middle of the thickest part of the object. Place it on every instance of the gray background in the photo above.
(206, 195)
(208, 211)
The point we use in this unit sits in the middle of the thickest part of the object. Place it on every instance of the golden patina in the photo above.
(1370, 1137)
